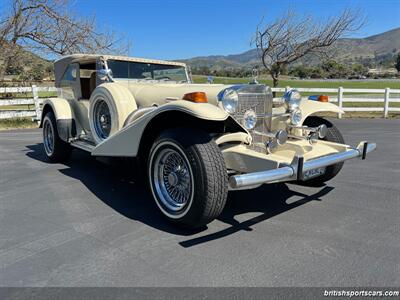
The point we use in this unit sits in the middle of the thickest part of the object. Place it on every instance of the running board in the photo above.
(83, 145)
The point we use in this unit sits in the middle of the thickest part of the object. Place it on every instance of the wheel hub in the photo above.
(173, 179)
(102, 119)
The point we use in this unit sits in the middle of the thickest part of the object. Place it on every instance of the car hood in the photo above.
(148, 94)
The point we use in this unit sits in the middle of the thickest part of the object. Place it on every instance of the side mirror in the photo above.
(105, 74)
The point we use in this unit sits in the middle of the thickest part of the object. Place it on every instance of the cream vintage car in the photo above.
(197, 141)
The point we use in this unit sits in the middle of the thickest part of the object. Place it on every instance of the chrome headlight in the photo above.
(292, 99)
(229, 99)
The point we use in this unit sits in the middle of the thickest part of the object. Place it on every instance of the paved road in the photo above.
(81, 224)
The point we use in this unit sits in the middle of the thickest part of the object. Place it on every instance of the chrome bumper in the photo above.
(298, 167)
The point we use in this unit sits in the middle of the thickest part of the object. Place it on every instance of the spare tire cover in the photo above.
(110, 104)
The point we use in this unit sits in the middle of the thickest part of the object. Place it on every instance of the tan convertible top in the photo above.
(61, 64)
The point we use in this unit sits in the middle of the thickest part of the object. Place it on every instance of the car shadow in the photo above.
(116, 185)
(126, 192)
(269, 200)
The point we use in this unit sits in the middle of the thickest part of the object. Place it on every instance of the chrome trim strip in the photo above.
(297, 137)
(278, 115)
(303, 127)
(249, 179)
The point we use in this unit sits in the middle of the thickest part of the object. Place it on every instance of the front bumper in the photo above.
(298, 167)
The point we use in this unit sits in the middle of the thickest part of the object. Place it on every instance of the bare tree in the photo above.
(49, 27)
(290, 38)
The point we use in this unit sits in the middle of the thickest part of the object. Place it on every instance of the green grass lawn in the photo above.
(27, 122)
(29, 95)
(17, 123)
(17, 107)
(378, 84)
(368, 104)
(47, 94)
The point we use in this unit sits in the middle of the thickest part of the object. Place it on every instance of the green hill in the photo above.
(28, 64)
(374, 49)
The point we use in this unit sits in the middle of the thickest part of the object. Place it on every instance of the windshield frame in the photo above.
(172, 66)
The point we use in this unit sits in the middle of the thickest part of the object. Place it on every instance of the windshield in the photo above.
(147, 71)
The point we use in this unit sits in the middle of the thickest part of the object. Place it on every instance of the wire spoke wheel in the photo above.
(56, 149)
(102, 119)
(172, 178)
(48, 138)
(187, 176)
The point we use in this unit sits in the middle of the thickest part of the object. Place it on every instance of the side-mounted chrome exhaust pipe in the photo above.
(298, 167)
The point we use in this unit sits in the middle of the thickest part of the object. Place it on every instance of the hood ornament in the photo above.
(254, 74)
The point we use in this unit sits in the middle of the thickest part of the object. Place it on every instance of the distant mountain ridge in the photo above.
(349, 50)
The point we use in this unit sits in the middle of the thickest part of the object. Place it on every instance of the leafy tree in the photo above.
(334, 69)
(307, 72)
(359, 69)
(397, 65)
(299, 71)
(14, 69)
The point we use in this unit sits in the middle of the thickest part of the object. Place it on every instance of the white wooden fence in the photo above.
(372, 95)
(33, 100)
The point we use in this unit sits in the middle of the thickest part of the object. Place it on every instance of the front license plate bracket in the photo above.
(314, 173)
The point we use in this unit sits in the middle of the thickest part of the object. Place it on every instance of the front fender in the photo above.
(309, 107)
(126, 142)
(203, 111)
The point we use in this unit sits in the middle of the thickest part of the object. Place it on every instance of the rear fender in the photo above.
(64, 117)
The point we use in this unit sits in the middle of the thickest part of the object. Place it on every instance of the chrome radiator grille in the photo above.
(258, 98)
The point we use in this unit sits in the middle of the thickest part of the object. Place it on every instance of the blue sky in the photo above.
(169, 29)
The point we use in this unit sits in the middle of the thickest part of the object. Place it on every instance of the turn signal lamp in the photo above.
(323, 98)
(197, 97)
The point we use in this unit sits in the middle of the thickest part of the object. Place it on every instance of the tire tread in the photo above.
(210, 172)
(62, 150)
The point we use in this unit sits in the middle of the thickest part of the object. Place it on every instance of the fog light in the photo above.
(313, 137)
(250, 119)
(295, 117)
(281, 137)
(271, 145)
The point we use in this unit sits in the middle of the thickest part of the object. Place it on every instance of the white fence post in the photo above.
(340, 100)
(386, 104)
(287, 88)
(36, 101)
